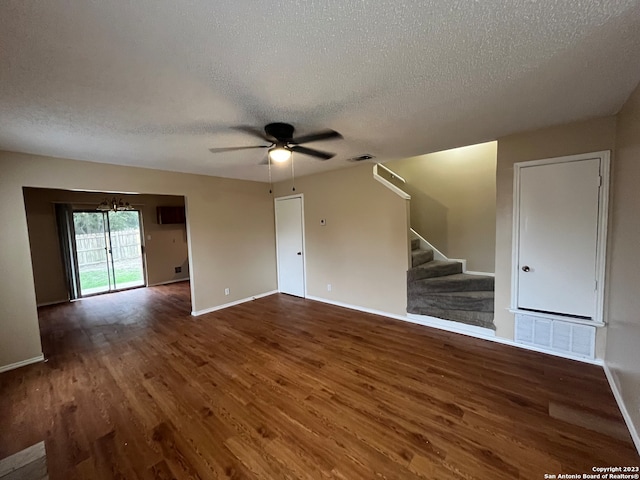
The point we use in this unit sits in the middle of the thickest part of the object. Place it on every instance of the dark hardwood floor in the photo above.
(282, 387)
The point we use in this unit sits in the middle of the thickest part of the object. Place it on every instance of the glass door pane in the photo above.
(92, 252)
(126, 249)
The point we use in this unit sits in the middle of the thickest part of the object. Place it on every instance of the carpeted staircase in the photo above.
(439, 289)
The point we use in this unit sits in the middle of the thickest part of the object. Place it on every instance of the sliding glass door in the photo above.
(108, 250)
(126, 249)
(92, 252)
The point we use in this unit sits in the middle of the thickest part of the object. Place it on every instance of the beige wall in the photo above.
(230, 234)
(165, 245)
(362, 251)
(453, 201)
(581, 137)
(623, 276)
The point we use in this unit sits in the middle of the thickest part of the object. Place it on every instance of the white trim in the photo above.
(506, 341)
(456, 327)
(186, 279)
(22, 459)
(488, 334)
(437, 254)
(635, 436)
(304, 241)
(472, 331)
(393, 174)
(231, 304)
(603, 212)
(192, 285)
(601, 249)
(486, 274)
(388, 184)
(288, 197)
(562, 318)
(463, 261)
(357, 307)
(22, 363)
(55, 302)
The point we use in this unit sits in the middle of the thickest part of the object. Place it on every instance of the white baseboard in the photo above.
(25, 463)
(506, 341)
(623, 409)
(463, 329)
(169, 281)
(423, 320)
(437, 254)
(488, 334)
(486, 274)
(55, 302)
(456, 327)
(23, 363)
(231, 304)
(357, 307)
(463, 261)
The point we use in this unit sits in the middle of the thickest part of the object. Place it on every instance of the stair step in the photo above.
(460, 282)
(420, 256)
(436, 268)
(478, 319)
(471, 301)
(415, 243)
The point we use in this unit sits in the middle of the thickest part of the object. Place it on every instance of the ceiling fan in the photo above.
(282, 143)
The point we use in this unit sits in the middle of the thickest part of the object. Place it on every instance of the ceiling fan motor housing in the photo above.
(280, 131)
(280, 136)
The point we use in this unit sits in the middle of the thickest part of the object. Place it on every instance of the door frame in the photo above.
(110, 264)
(601, 242)
(304, 244)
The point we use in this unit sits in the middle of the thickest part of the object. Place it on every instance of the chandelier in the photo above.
(114, 205)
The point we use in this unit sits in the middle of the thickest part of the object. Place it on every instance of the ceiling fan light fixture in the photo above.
(279, 154)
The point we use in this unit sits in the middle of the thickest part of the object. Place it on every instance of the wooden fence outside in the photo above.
(125, 244)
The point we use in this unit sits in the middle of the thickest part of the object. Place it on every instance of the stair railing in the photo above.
(395, 189)
(378, 168)
(437, 254)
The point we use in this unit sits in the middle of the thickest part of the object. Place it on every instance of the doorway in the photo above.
(107, 251)
(560, 218)
(290, 245)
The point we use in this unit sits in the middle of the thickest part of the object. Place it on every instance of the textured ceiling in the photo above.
(156, 83)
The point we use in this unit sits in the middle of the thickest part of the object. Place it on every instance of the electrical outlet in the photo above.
(178, 269)
(226, 291)
(328, 287)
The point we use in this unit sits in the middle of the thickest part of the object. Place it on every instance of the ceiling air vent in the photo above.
(362, 158)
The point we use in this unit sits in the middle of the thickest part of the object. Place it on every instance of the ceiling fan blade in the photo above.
(315, 137)
(233, 149)
(253, 131)
(310, 151)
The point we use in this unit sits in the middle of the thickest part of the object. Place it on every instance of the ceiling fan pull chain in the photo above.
(269, 163)
(293, 174)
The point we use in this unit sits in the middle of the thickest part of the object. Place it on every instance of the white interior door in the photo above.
(558, 237)
(290, 245)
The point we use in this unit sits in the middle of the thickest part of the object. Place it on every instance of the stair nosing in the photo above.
(458, 292)
(439, 262)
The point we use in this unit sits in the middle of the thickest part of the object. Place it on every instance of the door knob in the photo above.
(525, 269)
(299, 253)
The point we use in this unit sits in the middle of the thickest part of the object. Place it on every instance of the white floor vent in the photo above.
(570, 338)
